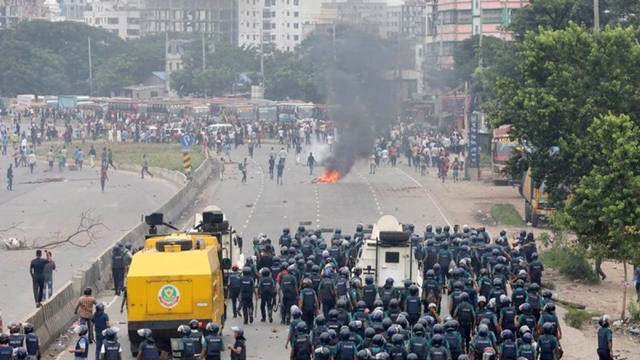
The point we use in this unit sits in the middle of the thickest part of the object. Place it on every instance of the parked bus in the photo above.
(126, 105)
(297, 111)
(502, 148)
(268, 113)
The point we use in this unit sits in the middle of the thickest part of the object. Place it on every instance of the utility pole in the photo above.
(465, 121)
(204, 53)
(480, 34)
(596, 15)
(90, 68)
(333, 33)
(261, 59)
(167, 71)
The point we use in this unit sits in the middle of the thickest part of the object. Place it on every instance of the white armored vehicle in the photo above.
(389, 254)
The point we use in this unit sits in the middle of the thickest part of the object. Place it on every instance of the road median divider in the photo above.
(56, 315)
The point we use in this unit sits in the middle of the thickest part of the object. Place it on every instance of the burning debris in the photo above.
(45, 180)
(329, 177)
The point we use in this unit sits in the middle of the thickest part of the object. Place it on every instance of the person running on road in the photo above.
(280, 171)
(272, 165)
(311, 162)
(455, 167)
(31, 160)
(103, 177)
(282, 155)
(221, 168)
(145, 166)
(243, 167)
(10, 177)
(110, 158)
(372, 164)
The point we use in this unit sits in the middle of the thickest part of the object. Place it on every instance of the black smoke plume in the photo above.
(362, 103)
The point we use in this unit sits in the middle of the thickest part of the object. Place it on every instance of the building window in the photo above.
(492, 16)
(464, 17)
(154, 94)
(133, 32)
(98, 21)
(448, 47)
(273, 26)
(133, 21)
(113, 21)
(296, 25)
(273, 38)
(296, 2)
(296, 37)
(295, 14)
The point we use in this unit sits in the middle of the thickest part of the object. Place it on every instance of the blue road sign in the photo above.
(186, 140)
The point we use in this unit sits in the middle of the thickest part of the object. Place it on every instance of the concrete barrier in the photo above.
(57, 314)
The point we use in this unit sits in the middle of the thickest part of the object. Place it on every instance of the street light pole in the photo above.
(596, 15)
(466, 120)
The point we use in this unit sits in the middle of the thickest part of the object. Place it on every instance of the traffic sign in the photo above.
(186, 140)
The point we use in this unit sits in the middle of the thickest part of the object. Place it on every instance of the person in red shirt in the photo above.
(103, 177)
(444, 168)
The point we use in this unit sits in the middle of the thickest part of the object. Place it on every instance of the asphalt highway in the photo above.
(46, 211)
(262, 206)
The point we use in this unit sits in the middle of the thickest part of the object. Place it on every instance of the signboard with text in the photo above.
(474, 151)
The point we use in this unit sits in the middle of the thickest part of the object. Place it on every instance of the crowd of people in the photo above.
(480, 298)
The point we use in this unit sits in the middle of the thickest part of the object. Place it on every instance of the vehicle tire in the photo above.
(527, 212)
(534, 220)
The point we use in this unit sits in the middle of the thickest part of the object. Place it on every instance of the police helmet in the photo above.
(507, 334)
(505, 301)
(14, 328)
(550, 307)
(383, 356)
(534, 287)
(333, 315)
(378, 304)
(547, 294)
(402, 322)
(4, 338)
(83, 330)
(193, 324)
(378, 340)
(534, 256)
(423, 322)
(246, 270)
(437, 340)
(266, 272)
(363, 355)
(183, 329)
(345, 334)
(291, 268)
(213, 328)
(28, 328)
(547, 328)
(359, 228)
(413, 289)
(21, 353)
(333, 334)
(295, 312)
(344, 272)
(430, 320)
(361, 305)
(393, 304)
(604, 320)
(337, 231)
(483, 330)
(497, 282)
(431, 274)
(446, 228)
(377, 315)
(325, 338)
(418, 329)
(438, 229)
(526, 307)
(301, 229)
(527, 338)
(301, 327)
(387, 323)
(285, 231)
(519, 283)
(458, 285)
(437, 237)
(397, 339)
(292, 249)
(306, 283)
(436, 267)
(438, 329)
(87, 291)
(449, 326)
(341, 304)
(353, 326)
(389, 281)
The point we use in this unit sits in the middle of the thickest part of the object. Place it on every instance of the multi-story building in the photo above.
(284, 23)
(73, 10)
(120, 17)
(379, 17)
(217, 19)
(451, 21)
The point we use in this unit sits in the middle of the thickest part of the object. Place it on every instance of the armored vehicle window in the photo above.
(392, 257)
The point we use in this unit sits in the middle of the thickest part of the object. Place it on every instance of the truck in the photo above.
(536, 205)
(387, 253)
(502, 148)
(179, 276)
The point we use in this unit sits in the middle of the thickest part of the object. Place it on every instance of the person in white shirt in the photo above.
(283, 155)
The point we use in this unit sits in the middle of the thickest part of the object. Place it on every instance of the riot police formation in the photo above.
(488, 292)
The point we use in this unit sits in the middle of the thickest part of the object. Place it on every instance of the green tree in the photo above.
(603, 210)
(568, 78)
(114, 75)
(290, 81)
(214, 81)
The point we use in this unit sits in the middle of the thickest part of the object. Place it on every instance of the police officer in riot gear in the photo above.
(6, 351)
(82, 345)
(247, 292)
(266, 292)
(118, 266)
(285, 238)
(413, 305)
(197, 338)
(289, 289)
(188, 352)
(32, 342)
(148, 349)
(308, 302)
(16, 339)
(234, 285)
(111, 349)
(605, 339)
(301, 349)
(213, 344)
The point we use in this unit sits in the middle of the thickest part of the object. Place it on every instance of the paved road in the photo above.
(45, 209)
(359, 197)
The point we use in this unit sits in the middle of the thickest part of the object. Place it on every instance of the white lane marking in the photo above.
(370, 189)
(112, 301)
(255, 202)
(429, 195)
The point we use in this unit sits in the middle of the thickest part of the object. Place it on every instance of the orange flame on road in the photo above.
(329, 177)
